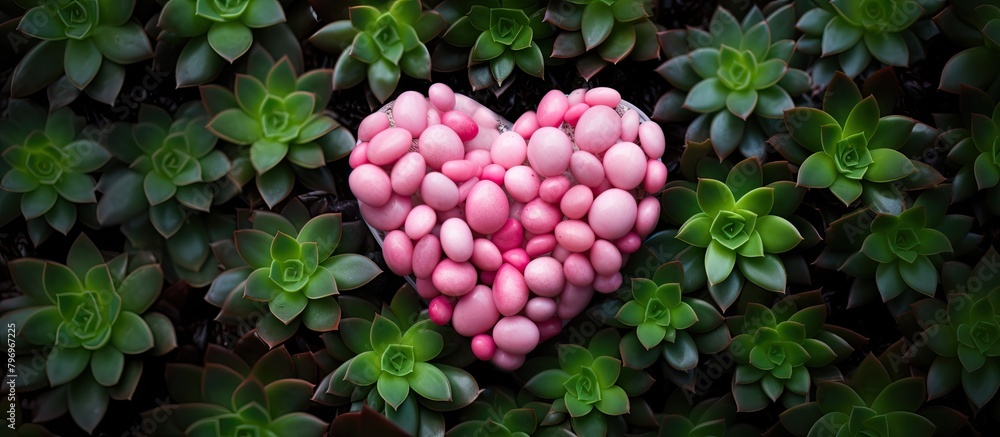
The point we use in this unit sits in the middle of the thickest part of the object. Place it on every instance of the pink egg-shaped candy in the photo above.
(387, 217)
(576, 202)
(407, 174)
(372, 124)
(441, 97)
(652, 140)
(625, 165)
(516, 335)
(544, 276)
(439, 192)
(494, 173)
(549, 328)
(603, 95)
(483, 347)
(560, 253)
(526, 125)
(397, 249)
(574, 113)
(465, 188)
(540, 217)
(586, 168)
(509, 236)
(359, 156)
(605, 186)
(509, 150)
(439, 144)
(554, 188)
(552, 108)
(608, 284)
(389, 145)
(426, 288)
(420, 221)
(578, 270)
(540, 245)
(409, 111)
(605, 258)
(486, 208)
(656, 176)
(440, 310)
(598, 129)
(629, 243)
(517, 257)
(575, 235)
(630, 126)
(466, 104)
(433, 117)
(510, 291)
(647, 215)
(475, 313)
(507, 361)
(549, 151)
(540, 309)
(460, 170)
(573, 300)
(426, 255)
(576, 96)
(481, 158)
(522, 182)
(485, 255)
(370, 184)
(463, 125)
(612, 214)
(456, 240)
(454, 278)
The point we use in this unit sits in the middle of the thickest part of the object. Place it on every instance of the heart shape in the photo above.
(508, 229)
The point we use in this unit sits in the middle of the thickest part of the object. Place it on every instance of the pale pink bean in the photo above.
(484, 117)
(426, 255)
(578, 270)
(488, 132)
(574, 113)
(440, 310)
(576, 202)
(605, 258)
(629, 243)
(652, 140)
(488, 277)
(494, 173)
(481, 158)
(586, 168)
(466, 105)
(433, 117)
(463, 125)
(465, 188)
(509, 150)
(507, 361)
(549, 151)
(408, 173)
(573, 301)
(485, 255)
(544, 276)
(487, 208)
(456, 240)
(517, 257)
(426, 288)
(390, 216)
(409, 112)
(630, 126)
(526, 125)
(577, 96)
(510, 291)
(575, 235)
(509, 235)
(370, 184)
(420, 221)
(608, 284)
(625, 165)
(372, 124)
(439, 144)
(549, 328)
(540, 217)
(359, 156)
(603, 96)
(540, 309)
(397, 249)
(460, 170)
(483, 347)
(554, 188)
(540, 245)
(389, 145)
(647, 215)
(516, 335)
(475, 313)
(453, 278)
(612, 214)
(656, 176)
(439, 192)
(560, 253)
(522, 183)
(441, 97)
(552, 108)
(598, 129)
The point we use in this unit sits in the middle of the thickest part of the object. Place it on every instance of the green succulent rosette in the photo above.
(47, 164)
(378, 44)
(975, 24)
(710, 417)
(94, 318)
(733, 80)
(490, 38)
(85, 44)
(495, 412)
(902, 246)
(247, 392)
(281, 116)
(974, 134)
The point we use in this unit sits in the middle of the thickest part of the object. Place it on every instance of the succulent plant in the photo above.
(495, 412)
(851, 146)
(589, 383)
(781, 350)
(973, 23)
(598, 33)
(379, 44)
(678, 327)
(96, 317)
(85, 44)
(46, 166)
(242, 393)
(726, 76)
(492, 37)
(281, 116)
(709, 417)
(973, 134)
(901, 246)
